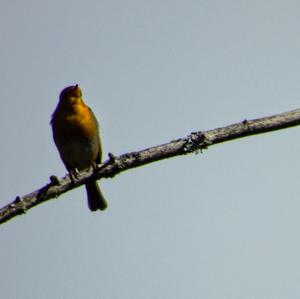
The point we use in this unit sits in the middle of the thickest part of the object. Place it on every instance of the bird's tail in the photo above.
(96, 200)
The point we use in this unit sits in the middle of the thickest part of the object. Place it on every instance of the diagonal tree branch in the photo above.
(196, 141)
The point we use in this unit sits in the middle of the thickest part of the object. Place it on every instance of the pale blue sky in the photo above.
(222, 224)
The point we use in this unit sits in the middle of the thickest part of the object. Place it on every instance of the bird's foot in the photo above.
(73, 173)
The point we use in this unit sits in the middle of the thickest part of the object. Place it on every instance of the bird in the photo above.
(76, 135)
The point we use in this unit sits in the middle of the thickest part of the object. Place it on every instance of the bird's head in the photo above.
(70, 95)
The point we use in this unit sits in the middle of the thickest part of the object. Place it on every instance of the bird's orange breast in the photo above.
(75, 122)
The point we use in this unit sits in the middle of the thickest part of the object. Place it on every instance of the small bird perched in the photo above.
(76, 135)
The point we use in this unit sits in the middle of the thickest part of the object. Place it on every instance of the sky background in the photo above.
(222, 224)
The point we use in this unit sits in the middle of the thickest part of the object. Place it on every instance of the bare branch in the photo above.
(196, 141)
